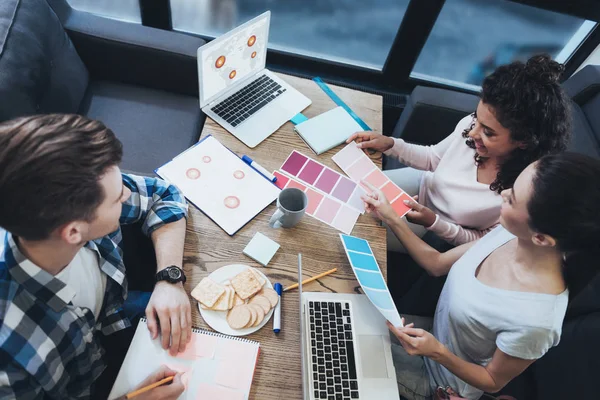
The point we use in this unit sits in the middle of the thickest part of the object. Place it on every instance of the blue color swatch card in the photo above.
(369, 276)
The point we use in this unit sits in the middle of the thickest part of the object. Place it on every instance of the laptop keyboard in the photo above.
(247, 101)
(331, 348)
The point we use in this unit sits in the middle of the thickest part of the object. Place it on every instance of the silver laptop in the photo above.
(346, 349)
(237, 91)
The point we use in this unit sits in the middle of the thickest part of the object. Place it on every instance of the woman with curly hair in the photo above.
(523, 115)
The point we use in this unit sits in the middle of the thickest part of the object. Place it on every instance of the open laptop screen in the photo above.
(232, 57)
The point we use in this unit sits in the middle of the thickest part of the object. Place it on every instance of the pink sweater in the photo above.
(466, 209)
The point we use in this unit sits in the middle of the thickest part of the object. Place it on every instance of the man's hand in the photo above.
(170, 303)
(372, 140)
(164, 392)
(419, 214)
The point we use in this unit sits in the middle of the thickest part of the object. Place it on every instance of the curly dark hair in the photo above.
(527, 99)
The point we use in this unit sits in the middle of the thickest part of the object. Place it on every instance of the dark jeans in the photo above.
(117, 344)
(414, 291)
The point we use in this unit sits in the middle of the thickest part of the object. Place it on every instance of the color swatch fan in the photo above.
(369, 276)
(358, 166)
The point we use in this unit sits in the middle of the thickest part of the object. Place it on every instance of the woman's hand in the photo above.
(417, 342)
(372, 140)
(419, 214)
(377, 205)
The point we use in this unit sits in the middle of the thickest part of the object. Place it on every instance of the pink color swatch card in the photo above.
(314, 174)
(322, 206)
(216, 366)
(358, 166)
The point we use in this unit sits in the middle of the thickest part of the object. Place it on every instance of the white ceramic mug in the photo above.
(291, 206)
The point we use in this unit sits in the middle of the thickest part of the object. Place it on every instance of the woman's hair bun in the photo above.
(543, 68)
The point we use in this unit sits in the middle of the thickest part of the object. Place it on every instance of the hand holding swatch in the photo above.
(359, 167)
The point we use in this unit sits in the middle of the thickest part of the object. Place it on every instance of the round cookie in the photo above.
(254, 317)
(261, 301)
(238, 317)
(271, 295)
(260, 313)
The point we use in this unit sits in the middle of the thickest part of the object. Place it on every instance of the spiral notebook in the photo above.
(218, 367)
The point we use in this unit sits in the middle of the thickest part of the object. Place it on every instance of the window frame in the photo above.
(413, 32)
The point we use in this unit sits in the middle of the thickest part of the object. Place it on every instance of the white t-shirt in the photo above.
(466, 208)
(473, 319)
(84, 277)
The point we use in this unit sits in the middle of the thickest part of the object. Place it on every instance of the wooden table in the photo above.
(208, 248)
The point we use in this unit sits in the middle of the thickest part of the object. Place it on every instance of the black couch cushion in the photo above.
(40, 71)
(583, 139)
(438, 110)
(153, 125)
(592, 111)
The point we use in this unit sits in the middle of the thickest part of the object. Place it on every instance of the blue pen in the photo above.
(277, 313)
(259, 168)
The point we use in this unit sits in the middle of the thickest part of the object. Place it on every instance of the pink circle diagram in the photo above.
(192, 173)
(239, 174)
(232, 202)
(206, 159)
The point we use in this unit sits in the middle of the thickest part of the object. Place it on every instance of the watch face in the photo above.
(174, 273)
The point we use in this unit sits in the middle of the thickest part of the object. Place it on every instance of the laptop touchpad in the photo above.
(372, 356)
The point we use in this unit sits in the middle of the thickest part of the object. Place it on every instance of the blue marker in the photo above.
(277, 313)
(261, 170)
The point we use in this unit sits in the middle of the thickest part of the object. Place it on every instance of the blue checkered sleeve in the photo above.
(153, 201)
(16, 383)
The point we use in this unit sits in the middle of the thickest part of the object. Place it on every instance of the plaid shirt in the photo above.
(49, 347)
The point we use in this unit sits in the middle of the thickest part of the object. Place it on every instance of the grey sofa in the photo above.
(569, 370)
(141, 82)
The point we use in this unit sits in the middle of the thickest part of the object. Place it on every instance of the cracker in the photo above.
(238, 317)
(231, 296)
(245, 284)
(271, 295)
(237, 300)
(261, 301)
(259, 277)
(223, 303)
(208, 292)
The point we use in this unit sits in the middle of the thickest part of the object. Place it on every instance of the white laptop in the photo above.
(347, 355)
(237, 91)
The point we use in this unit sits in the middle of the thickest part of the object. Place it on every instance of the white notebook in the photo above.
(218, 367)
(327, 130)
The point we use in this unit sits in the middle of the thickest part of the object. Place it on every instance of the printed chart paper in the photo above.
(321, 206)
(369, 276)
(220, 184)
(358, 166)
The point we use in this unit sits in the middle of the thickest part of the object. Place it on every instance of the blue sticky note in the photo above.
(372, 280)
(381, 300)
(298, 118)
(356, 244)
(363, 261)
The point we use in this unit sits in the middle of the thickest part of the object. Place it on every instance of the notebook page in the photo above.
(214, 363)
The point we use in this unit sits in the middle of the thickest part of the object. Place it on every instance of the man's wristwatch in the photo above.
(171, 274)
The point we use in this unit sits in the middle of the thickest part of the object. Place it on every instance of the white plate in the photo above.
(218, 319)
